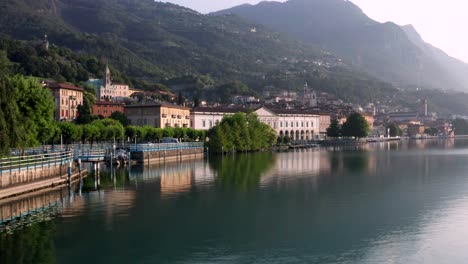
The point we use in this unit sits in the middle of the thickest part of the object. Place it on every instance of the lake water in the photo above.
(400, 202)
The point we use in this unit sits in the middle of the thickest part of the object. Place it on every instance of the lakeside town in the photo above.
(299, 116)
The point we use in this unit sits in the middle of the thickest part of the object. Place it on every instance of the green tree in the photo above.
(432, 131)
(395, 130)
(240, 132)
(334, 130)
(69, 131)
(356, 126)
(11, 128)
(121, 118)
(460, 126)
(36, 107)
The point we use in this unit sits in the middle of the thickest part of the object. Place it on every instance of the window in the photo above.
(292, 124)
(203, 123)
(302, 124)
(297, 124)
(307, 124)
(211, 124)
(286, 124)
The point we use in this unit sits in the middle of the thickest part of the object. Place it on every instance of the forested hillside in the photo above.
(155, 42)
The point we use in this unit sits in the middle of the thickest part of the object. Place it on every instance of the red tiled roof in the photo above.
(108, 103)
(156, 105)
(64, 86)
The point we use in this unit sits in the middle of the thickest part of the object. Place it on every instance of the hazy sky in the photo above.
(440, 22)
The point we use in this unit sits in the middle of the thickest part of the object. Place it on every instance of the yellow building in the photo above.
(160, 115)
(67, 99)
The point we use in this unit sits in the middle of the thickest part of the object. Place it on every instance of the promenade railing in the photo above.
(156, 147)
(28, 162)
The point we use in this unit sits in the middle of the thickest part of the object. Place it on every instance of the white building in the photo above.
(204, 118)
(297, 124)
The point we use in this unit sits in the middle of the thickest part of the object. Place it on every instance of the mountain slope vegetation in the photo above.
(157, 42)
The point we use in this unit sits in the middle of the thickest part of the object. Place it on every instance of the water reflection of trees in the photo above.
(241, 171)
(33, 244)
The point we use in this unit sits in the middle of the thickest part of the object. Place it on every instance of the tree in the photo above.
(356, 126)
(334, 130)
(395, 130)
(432, 131)
(11, 129)
(36, 107)
(121, 118)
(240, 132)
(460, 126)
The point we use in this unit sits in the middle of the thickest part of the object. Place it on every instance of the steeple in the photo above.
(108, 76)
(46, 42)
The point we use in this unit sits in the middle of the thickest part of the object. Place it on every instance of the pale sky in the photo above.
(440, 22)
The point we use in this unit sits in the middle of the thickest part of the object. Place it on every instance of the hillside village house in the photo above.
(107, 90)
(160, 115)
(67, 99)
(297, 124)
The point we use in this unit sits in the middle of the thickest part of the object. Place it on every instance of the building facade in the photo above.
(160, 115)
(107, 90)
(296, 124)
(67, 99)
(204, 118)
(106, 108)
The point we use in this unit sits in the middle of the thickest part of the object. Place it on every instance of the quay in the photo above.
(40, 169)
(166, 152)
(28, 173)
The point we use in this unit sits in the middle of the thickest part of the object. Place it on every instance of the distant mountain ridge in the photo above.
(385, 50)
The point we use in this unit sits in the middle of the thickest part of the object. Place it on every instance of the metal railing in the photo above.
(156, 147)
(36, 161)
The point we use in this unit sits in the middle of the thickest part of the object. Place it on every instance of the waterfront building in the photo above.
(204, 118)
(160, 115)
(296, 124)
(325, 121)
(299, 124)
(67, 99)
(106, 108)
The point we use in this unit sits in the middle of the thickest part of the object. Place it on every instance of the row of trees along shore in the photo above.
(355, 126)
(27, 119)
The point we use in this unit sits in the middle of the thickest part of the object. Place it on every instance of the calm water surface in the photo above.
(383, 203)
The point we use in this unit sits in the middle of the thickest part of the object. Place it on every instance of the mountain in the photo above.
(384, 50)
(151, 42)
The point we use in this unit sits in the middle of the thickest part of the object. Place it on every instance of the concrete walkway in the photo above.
(34, 186)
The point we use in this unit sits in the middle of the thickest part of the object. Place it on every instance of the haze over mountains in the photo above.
(385, 50)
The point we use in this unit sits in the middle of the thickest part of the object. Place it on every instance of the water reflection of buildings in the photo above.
(176, 178)
(299, 164)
